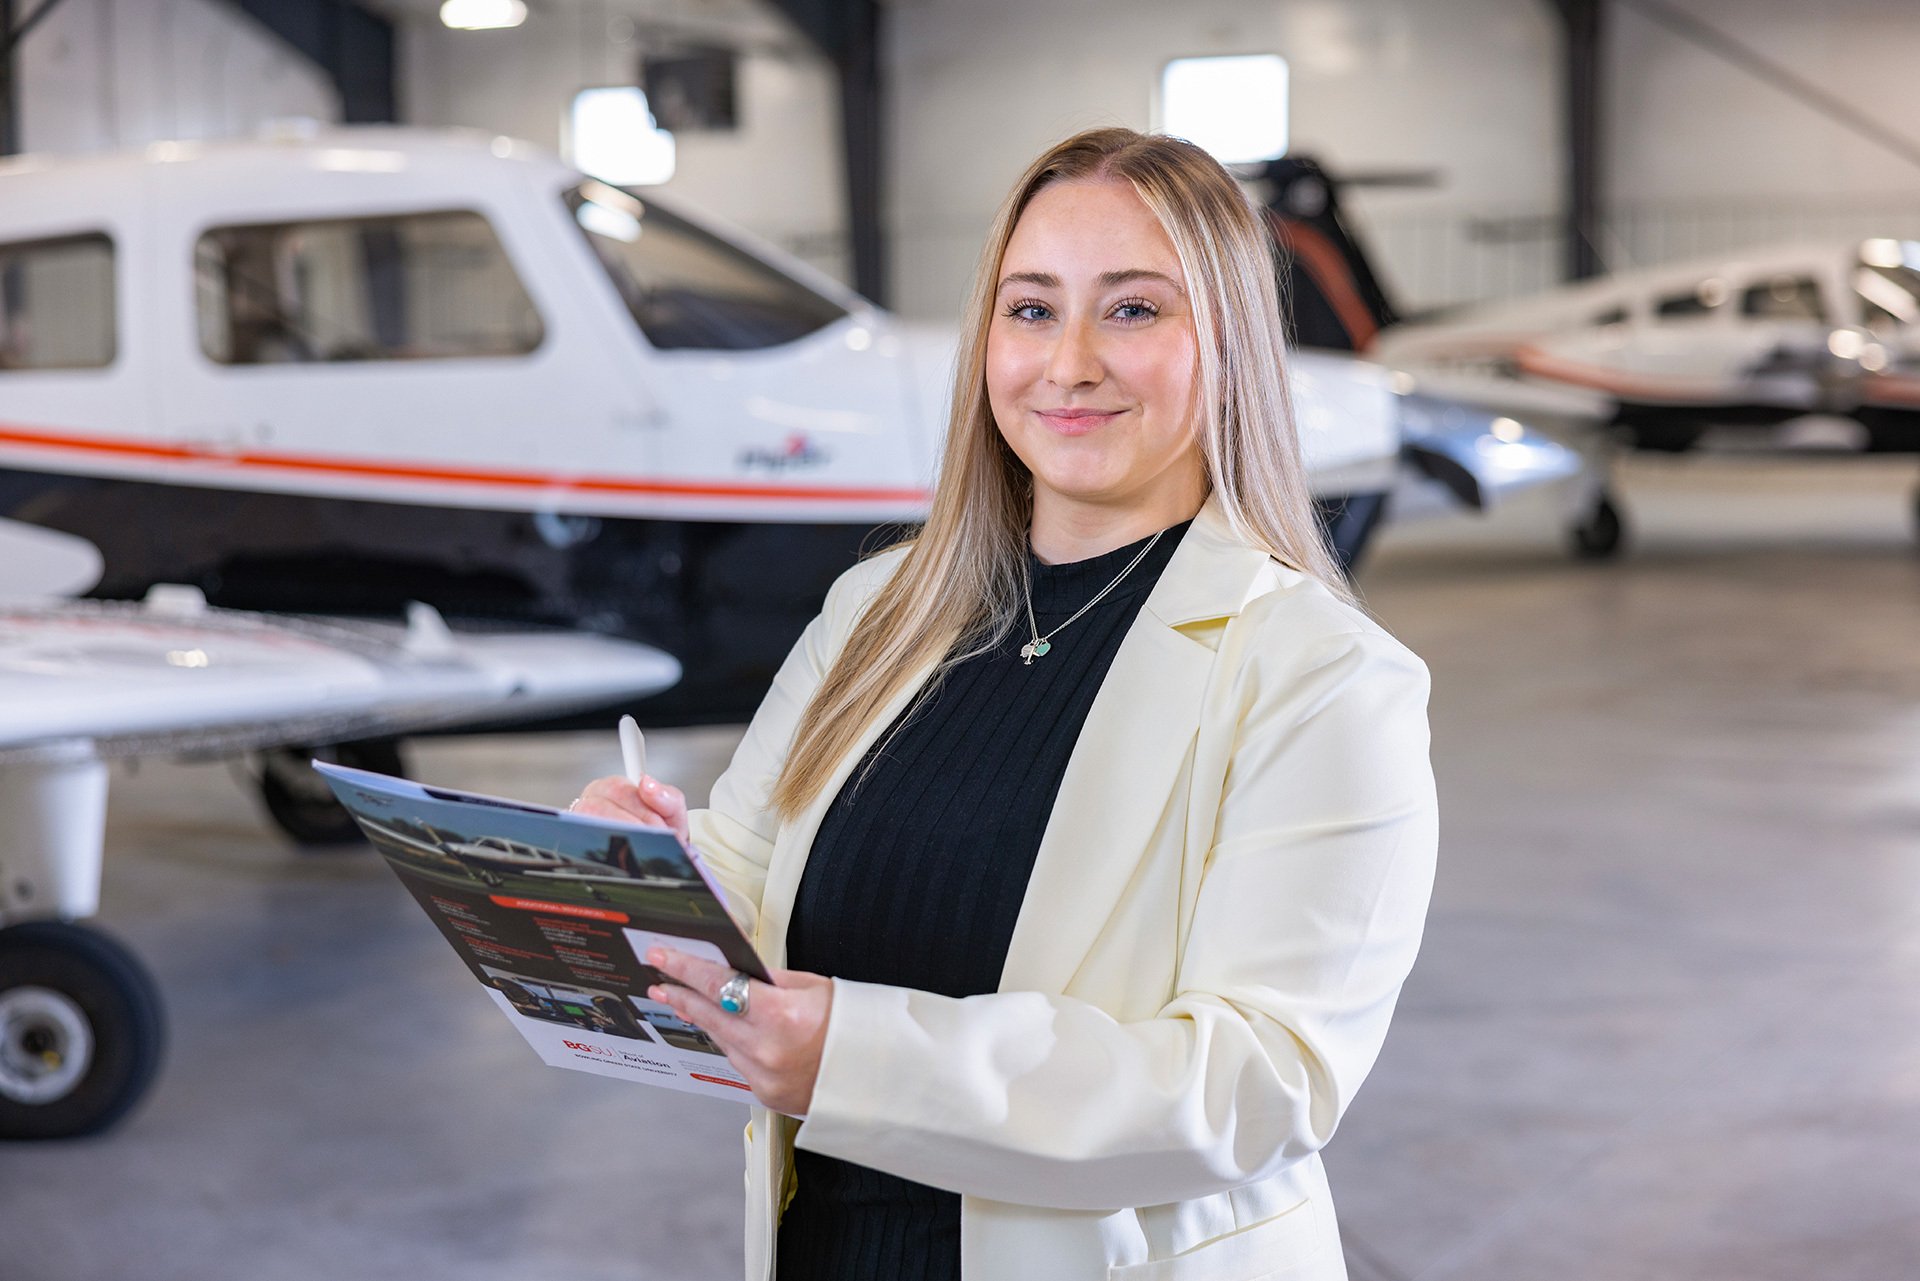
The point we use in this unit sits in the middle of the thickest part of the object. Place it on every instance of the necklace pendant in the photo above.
(1034, 649)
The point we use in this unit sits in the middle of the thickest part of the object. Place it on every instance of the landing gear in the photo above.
(299, 800)
(81, 1032)
(1599, 533)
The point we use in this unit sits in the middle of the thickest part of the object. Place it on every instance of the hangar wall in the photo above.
(1702, 154)
(1468, 88)
(101, 74)
(778, 175)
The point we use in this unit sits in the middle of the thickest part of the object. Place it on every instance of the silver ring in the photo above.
(734, 994)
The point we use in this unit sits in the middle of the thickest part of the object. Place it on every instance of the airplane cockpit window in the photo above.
(687, 287)
(1699, 301)
(56, 304)
(415, 287)
(1889, 295)
(1784, 298)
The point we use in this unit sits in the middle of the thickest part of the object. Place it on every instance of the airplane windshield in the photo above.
(1888, 282)
(688, 288)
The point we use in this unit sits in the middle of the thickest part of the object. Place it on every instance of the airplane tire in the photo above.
(1600, 533)
(81, 1030)
(299, 800)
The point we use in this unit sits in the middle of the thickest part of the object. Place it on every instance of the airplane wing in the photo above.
(83, 681)
(172, 674)
(46, 562)
(1363, 425)
(1555, 406)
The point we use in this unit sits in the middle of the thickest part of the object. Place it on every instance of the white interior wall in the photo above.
(1703, 155)
(778, 175)
(1468, 87)
(101, 74)
(1686, 125)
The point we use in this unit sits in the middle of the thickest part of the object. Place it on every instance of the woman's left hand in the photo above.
(776, 1044)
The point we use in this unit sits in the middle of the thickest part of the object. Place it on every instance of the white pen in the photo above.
(633, 750)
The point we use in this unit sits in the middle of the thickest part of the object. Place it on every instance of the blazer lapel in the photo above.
(1128, 759)
(1123, 768)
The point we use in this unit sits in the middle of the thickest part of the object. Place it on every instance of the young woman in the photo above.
(1095, 824)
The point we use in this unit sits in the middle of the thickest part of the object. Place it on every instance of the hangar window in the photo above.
(612, 133)
(687, 287)
(1784, 298)
(56, 303)
(417, 287)
(1235, 107)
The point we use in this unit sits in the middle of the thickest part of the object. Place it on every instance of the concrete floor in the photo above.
(1666, 1025)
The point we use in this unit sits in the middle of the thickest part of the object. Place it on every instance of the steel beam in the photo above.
(848, 32)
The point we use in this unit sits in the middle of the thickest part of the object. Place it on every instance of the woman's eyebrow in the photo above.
(1106, 280)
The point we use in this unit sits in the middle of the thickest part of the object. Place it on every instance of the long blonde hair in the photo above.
(959, 586)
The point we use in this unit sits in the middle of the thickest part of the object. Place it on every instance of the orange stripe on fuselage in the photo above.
(1891, 390)
(1559, 369)
(120, 447)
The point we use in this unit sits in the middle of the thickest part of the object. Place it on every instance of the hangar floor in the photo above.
(1665, 1025)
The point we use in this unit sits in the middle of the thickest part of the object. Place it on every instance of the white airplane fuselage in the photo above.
(702, 498)
(1756, 337)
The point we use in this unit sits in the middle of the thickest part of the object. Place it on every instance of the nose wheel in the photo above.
(1599, 532)
(299, 800)
(81, 1030)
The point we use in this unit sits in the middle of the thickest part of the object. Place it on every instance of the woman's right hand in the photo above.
(652, 804)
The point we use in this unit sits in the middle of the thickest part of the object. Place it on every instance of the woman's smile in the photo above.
(1077, 422)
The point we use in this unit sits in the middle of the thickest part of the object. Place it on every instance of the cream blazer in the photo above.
(1228, 895)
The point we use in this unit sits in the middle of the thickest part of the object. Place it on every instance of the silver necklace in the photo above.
(1039, 645)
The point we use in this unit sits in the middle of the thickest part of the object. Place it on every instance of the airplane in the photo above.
(1753, 338)
(492, 855)
(337, 370)
(492, 858)
(419, 843)
(1790, 347)
(84, 683)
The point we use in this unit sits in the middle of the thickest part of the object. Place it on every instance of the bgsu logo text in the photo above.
(587, 1049)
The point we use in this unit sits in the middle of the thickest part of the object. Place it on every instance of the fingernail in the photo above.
(656, 957)
(654, 993)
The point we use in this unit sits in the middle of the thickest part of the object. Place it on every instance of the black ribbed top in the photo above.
(917, 875)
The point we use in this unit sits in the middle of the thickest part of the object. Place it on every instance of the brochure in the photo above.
(554, 913)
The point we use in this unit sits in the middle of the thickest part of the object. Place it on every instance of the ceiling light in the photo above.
(483, 15)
